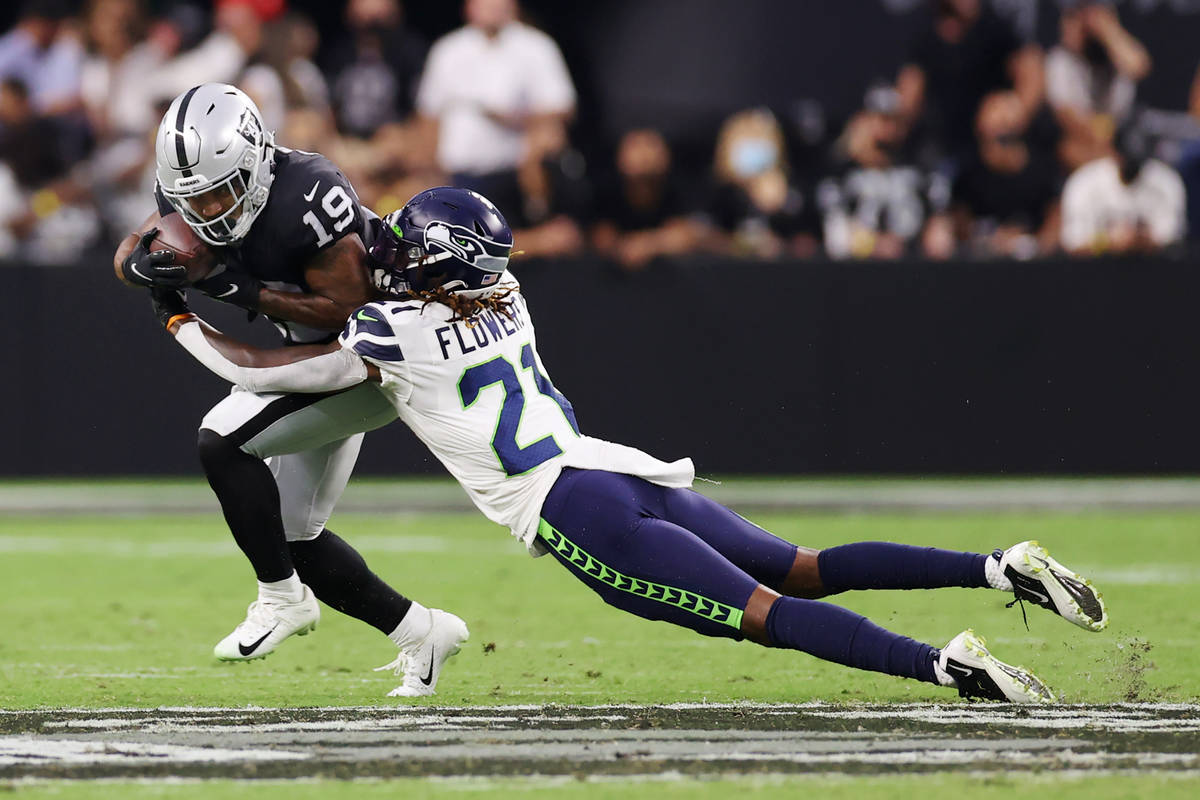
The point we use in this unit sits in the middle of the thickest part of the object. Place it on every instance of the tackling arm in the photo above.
(309, 368)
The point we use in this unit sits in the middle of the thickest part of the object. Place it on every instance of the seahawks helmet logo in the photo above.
(443, 240)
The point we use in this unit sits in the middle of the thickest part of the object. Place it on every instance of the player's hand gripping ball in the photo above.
(170, 255)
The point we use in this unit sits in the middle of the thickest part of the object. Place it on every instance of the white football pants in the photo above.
(310, 442)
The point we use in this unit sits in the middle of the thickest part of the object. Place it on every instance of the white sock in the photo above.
(288, 590)
(943, 677)
(995, 577)
(415, 626)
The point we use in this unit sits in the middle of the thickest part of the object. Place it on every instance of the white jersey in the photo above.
(477, 394)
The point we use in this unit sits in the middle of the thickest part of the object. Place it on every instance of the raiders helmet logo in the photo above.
(248, 127)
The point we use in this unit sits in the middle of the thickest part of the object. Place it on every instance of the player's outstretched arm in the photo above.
(308, 368)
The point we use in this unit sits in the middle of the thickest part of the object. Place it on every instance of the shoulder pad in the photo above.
(369, 334)
(312, 204)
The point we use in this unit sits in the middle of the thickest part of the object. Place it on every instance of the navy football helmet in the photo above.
(444, 237)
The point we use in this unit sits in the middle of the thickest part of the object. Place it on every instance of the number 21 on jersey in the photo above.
(513, 457)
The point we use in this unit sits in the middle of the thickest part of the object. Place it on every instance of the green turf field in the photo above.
(126, 611)
(121, 610)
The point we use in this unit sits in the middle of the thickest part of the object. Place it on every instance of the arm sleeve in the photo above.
(325, 373)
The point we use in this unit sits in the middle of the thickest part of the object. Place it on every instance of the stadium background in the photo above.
(117, 571)
(758, 365)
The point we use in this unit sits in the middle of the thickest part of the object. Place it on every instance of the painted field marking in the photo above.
(24, 750)
(728, 738)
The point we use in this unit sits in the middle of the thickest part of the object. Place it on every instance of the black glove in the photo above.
(168, 303)
(228, 286)
(158, 268)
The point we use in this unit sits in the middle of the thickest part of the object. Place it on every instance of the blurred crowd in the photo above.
(983, 146)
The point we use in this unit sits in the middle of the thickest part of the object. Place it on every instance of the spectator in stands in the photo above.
(374, 67)
(44, 215)
(220, 56)
(114, 73)
(967, 53)
(1091, 78)
(493, 106)
(1189, 165)
(44, 54)
(120, 112)
(879, 199)
(488, 88)
(281, 75)
(1005, 199)
(1123, 202)
(643, 211)
(755, 204)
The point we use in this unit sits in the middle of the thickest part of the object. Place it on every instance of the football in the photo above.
(174, 235)
(190, 250)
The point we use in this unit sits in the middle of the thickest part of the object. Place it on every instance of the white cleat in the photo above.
(268, 624)
(421, 664)
(1041, 580)
(979, 674)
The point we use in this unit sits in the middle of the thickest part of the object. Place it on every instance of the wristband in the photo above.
(187, 316)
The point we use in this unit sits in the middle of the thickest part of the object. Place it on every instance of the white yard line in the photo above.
(36, 750)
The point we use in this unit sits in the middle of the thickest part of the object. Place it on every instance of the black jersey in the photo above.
(311, 206)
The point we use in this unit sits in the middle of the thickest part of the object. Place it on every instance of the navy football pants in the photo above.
(675, 555)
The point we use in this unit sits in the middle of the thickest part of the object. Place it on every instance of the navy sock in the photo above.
(837, 634)
(884, 565)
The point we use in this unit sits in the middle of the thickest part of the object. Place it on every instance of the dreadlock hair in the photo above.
(466, 309)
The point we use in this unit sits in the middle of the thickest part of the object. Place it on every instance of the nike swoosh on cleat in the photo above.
(1038, 597)
(227, 292)
(954, 669)
(365, 316)
(312, 192)
(428, 679)
(244, 650)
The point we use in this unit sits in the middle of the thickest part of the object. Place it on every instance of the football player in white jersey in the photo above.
(455, 352)
(290, 238)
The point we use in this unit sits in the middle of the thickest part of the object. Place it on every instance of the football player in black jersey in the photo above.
(290, 238)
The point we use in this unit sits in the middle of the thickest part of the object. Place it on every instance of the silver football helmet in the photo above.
(214, 161)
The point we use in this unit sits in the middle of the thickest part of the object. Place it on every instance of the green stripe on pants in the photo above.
(688, 601)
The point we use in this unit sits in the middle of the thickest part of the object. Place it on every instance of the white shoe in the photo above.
(421, 664)
(1041, 580)
(979, 674)
(268, 624)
